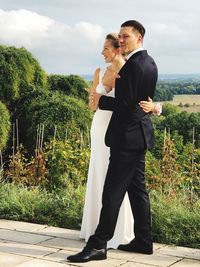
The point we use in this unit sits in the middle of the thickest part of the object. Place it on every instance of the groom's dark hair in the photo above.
(136, 25)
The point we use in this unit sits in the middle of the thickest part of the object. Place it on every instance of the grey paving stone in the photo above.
(32, 245)
(22, 236)
(63, 243)
(59, 256)
(35, 251)
(135, 264)
(10, 260)
(155, 259)
(60, 232)
(102, 263)
(180, 252)
(41, 263)
(187, 263)
(21, 226)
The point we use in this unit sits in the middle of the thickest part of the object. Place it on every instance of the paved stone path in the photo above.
(34, 245)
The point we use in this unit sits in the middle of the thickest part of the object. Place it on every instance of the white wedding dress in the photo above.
(99, 160)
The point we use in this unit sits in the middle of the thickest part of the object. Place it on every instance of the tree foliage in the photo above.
(4, 125)
(65, 114)
(72, 85)
(165, 90)
(18, 71)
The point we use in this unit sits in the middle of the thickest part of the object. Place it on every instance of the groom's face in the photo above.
(129, 40)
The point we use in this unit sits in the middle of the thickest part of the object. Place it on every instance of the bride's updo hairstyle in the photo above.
(113, 37)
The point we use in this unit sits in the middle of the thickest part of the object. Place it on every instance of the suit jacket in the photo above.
(130, 127)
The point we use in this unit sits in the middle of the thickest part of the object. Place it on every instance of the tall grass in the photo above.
(175, 220)
(63, 209)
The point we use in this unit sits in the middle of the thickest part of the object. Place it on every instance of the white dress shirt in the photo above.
(133, 52)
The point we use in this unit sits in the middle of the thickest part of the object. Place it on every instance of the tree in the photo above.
(4, 125)
(53, 109)
(19, 70)
(72, 85)
(169, 109)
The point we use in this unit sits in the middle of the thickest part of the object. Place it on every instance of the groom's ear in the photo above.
(140, 38)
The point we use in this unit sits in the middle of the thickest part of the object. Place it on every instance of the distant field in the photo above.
(193, 102)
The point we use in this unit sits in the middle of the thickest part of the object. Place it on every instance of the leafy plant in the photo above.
(4, 125)
(72, 85)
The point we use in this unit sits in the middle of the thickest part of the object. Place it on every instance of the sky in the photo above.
(67, 36)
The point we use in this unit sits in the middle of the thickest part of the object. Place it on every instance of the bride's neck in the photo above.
(117, 64)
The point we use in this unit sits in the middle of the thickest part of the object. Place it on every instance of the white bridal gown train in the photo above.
(98, 165)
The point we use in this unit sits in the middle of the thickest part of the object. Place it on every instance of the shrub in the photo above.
(55, 111)
(18, 71)
(4, 125)
(72, 85)
(66, 163)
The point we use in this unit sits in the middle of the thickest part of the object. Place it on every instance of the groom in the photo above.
(129, 134)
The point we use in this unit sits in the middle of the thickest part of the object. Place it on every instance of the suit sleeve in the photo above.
(110, 103)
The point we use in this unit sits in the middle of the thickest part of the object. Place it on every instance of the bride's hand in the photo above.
(92, 105)
(147, 106)
(94, 99)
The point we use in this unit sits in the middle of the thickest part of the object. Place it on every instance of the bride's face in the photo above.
(109, 52)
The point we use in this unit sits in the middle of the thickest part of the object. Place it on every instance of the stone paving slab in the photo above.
(21, 226)
(187, 263)
(62, 243)
(32, 245)
(180, 252)
(135, 264)
(35, 251)
(154, 259)
(41, 263)
(10, 260)
(59, 232)
(23, 237)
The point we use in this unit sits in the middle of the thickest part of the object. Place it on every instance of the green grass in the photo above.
(175, 220)
(62, 209)
(192, 100)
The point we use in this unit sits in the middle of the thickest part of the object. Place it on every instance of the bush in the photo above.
(72, 85)
(55, 111)
(66, 162)
(18, 71)
(4, 125)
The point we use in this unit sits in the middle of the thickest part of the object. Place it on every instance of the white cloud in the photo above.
(23, 28)
(46, 37)
(67, 35)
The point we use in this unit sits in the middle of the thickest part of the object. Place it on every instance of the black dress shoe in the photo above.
(88, 254)
(134, 246)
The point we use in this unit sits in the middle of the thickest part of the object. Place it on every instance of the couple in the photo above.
(129, 134)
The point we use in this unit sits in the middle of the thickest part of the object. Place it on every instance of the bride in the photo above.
(103, 83)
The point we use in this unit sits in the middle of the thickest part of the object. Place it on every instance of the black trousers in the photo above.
(125, 174)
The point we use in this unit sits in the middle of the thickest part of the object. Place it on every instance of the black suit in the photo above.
(129, 134)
